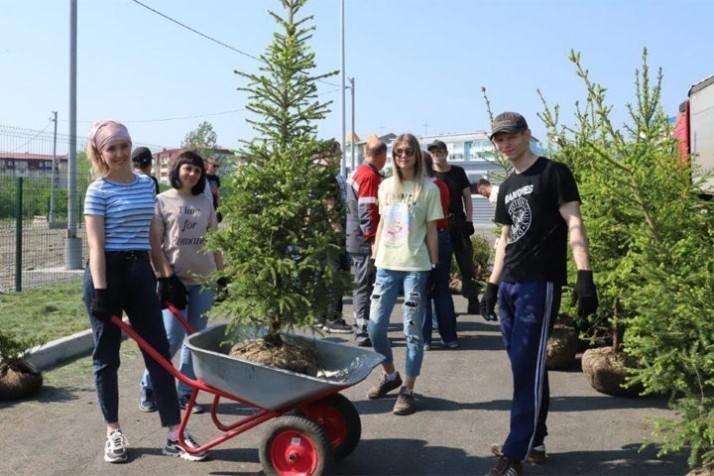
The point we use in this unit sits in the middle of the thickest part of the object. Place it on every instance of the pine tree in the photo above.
(651, 246)
(279, 239)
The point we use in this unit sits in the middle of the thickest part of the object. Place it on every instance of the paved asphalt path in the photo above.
(463, 398)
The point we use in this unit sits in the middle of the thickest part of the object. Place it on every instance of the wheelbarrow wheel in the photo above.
(295, 445)
(340, 419)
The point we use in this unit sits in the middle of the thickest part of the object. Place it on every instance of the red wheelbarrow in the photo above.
(310, 424)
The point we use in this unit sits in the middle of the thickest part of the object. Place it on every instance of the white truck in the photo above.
(695, 130)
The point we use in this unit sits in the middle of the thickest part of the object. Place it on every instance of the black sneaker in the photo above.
(338, 326)
(197, 407)
(506, 467)
(173, 448)
(366, 342)
(451, 344)
(537, 454)
(146, 400)
(384, 386)
(405, 404)
(115, 449)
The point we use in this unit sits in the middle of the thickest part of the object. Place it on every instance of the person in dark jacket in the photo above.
(460, 218)
(362, 221)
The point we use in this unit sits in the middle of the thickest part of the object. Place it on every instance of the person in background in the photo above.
(142, 160)
(213, 184)
(485, 189)
(184, 216)
(362, 222)
(406, 250)
(119, 217)
(539, 208)
(461, 224)
(440, 296)
(335, 322)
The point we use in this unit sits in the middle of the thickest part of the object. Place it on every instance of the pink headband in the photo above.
(105, 133)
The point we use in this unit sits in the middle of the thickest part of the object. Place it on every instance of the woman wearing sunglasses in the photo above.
(406, 250)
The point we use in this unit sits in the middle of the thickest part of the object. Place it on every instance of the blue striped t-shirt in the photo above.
(127, 209)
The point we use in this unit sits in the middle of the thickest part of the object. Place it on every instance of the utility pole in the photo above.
(352, 141)
(51, 217)
(72, 244)
(426, 132)
(343, 164)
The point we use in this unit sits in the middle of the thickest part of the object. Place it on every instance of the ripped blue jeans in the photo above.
(386, 290)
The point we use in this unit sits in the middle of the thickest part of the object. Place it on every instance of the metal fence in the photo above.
(33, 208)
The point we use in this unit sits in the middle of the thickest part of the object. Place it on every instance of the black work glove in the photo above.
(172, 291)
(101, 308)
(469, 228)
(431, 284)
(585, 294)
(221, 289)
(488, 302)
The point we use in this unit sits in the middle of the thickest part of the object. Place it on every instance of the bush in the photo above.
(482, 256)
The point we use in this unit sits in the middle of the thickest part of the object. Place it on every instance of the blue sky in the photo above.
(418, 64)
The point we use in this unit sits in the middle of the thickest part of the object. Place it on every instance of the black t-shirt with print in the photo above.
(530, 203)
(457, 181)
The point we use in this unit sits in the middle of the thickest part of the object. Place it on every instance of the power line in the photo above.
(33, 138)
(210, 38)
(166, 119)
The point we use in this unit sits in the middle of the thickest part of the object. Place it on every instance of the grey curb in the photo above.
(47, 355)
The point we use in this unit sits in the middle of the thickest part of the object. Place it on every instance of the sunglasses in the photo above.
(407, 152)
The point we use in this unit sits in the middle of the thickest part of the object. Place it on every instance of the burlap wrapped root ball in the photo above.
(562, 347)
(605, 370)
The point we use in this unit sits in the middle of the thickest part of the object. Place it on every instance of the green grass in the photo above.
(45, 313)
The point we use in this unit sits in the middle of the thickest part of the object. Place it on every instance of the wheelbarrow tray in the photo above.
(341, 366)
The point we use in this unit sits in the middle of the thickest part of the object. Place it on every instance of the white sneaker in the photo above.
(115, 450)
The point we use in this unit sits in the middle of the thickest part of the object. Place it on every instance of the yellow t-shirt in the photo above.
(402, 244)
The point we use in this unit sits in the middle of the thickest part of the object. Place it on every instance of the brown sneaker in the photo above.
(384, 386)
(506, 467)
(405, 404)
(537, 454)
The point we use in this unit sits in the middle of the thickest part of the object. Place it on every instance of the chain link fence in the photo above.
(34, 207)
(34, 196)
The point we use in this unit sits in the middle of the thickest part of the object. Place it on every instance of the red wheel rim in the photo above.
(331, 420)
(293, 454)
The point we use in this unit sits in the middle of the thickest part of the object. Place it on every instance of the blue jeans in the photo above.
(386, 290)
(443, 302)
(132, 287)
(200, 301)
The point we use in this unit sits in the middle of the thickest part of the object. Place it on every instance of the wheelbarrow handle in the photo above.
(180, 317)
(149, 349)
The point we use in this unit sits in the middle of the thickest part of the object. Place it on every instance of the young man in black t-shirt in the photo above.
(460, 218)
(539, 208)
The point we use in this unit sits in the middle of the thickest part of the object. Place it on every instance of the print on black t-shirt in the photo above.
(530, 203)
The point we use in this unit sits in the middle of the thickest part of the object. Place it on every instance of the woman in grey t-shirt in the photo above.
(184, 216)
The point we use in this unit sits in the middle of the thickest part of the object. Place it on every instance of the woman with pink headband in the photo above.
(119, 216)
